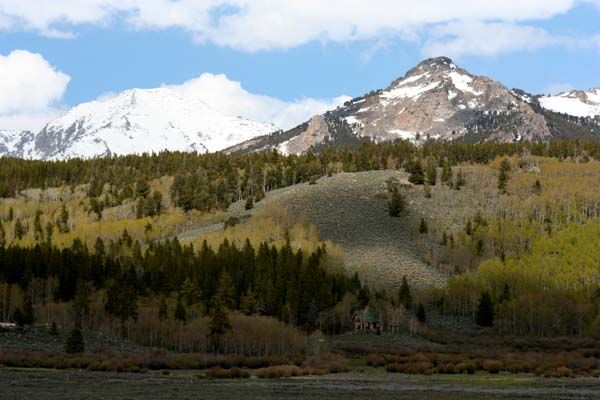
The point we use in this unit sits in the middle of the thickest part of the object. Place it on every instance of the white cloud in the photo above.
(254, 25)
(30, 90)
(231, 98)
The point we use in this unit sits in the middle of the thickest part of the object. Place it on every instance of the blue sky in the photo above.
(301, 54)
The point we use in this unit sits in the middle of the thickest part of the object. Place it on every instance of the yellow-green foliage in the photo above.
(275, 226)
(566, 261)
(549, 290)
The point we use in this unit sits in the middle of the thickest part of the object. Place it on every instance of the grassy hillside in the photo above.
(350, 209)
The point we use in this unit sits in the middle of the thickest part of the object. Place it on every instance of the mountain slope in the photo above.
(133, 122)
(137, 121)
(577, 103)
(15, 143)
(436, 100)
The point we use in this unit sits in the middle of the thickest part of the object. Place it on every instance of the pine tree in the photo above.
(397, 203)
(249, 305)
(485, 311)
(226, 291)
(417, 177)
(404, 295)
(121, 301)
(63, 220)
(427, 191)
(19, 230)
(180, 313)
(190, 291)
(24, 316)
(163, 310)
(459, 181)
(447, 174)
(219, 324)
(38, 231)
(2, 236)
(503, 175)
(431, 173)
(142, 189)
(249, 203)
(53, 329)
(423, 227)
(537, 187)
(75, 342)
(420, 314)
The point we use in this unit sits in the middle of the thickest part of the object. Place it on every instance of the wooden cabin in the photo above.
(367, 321)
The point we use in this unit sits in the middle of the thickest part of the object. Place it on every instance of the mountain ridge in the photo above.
(435, 100)
(137, 121)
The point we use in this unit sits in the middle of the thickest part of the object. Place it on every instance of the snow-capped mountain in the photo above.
(436, 100)
(577, 103)
(133, 122)
(15, 143)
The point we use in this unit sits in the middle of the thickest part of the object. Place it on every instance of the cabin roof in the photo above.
(368, 315)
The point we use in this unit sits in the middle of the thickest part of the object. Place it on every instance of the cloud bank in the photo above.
(262, 25)
(231, 98)
(30, 90)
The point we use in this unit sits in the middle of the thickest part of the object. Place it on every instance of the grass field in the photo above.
(53, 385)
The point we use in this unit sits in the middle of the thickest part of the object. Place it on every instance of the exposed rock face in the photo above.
(436, 100)
(316, 132)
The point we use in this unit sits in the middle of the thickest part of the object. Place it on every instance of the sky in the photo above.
(279, 61)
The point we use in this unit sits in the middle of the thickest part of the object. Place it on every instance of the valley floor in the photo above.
(50, 385)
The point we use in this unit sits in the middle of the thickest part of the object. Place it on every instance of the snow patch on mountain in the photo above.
(463, 83)
(576, 103)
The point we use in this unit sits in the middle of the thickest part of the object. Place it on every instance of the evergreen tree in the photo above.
(537, 187)
(469, 228)
(503, 175)
(459, 181)
(404, 295)
(219, 324)
(485, 311)
(63, 220)
(427, 191)
(397, 203)
(447, 174)
(226, 291)
(2, 236)
(431, 173)
(25, 316)
(190, 291)
(163, 310)
(121, 301)
(38, 231)
(444, 241)
(420, 314)
(249, 305)
(249, 203)
(180, 313)
(19, 230)
(423, 227)
(75, 343)
(49, 231)
(417, 177)
(53, 329)
(142, 189)
(11, 214)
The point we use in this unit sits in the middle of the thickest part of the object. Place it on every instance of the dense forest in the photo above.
(523, 264)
